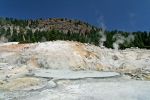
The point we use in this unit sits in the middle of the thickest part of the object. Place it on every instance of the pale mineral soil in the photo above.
(65, 70)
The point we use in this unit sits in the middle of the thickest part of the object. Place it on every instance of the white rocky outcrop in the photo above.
(67, 70)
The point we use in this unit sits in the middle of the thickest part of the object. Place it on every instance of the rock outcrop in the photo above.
(73, 68)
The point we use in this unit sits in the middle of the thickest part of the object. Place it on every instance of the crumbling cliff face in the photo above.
(53, 66)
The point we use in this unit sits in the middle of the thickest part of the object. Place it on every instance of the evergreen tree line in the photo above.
(141, 39)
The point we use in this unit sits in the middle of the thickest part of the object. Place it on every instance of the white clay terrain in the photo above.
(66, 70)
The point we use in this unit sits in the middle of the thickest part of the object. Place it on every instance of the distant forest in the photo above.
(97, 37)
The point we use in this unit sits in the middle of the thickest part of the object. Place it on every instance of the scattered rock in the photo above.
(115, 57)
(52, 84)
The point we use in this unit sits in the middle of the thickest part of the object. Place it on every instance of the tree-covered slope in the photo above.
(39, 30)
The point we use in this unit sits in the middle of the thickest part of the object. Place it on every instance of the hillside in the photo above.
(65, 70)
(40, 30)
(62, 24)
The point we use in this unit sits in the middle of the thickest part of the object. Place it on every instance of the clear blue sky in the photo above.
(126, 15)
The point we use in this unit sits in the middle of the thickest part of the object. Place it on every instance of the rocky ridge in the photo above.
(61, 24)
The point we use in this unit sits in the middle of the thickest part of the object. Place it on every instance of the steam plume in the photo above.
(102, 31)
(3, 39)
(119, 40)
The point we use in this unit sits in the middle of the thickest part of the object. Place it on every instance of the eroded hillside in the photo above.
(72, 68)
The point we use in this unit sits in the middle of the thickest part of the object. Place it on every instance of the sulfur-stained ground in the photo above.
(66, 70)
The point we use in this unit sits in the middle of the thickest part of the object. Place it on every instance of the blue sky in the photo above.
(126, 15)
